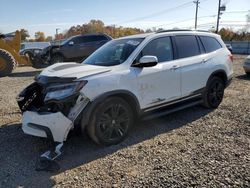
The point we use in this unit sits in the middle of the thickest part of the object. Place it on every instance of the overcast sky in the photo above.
(47, 15)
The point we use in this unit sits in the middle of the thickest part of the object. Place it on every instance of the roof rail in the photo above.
(172, 30)
(179, 30)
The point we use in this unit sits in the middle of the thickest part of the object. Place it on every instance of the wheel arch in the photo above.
(129, 97)
(221, 74)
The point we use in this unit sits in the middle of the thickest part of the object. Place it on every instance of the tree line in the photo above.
(95, 26)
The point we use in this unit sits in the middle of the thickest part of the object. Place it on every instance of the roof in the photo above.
(183, 31)
(143, 35)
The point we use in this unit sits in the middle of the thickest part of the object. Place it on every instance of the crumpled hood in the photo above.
(73, 70)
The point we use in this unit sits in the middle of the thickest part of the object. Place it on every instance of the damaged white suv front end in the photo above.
(52, 104)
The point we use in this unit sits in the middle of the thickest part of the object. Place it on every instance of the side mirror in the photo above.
(71, 43)
(147, 61)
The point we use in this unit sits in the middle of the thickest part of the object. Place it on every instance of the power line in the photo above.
(229, 23)
(237, 12)
(189, 3)
(185, 20)
(208, 16)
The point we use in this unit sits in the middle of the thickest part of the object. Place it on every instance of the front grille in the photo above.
(31, 97)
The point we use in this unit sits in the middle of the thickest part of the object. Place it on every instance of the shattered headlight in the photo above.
(62, 91)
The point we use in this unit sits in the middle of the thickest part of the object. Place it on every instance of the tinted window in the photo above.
(85, 39)
(161, 48)
(187, 46)
(210, 44)
(79, 40)
(99, 38)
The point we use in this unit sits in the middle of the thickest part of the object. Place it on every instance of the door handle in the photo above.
(204, 60)
(174, 67)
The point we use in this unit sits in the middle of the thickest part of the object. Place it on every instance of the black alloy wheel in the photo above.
(214, 92)
(111, 121)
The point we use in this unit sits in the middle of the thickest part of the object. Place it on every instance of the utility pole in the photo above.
(220, 10)
(218, 17)
(57, 29)
(197, 2)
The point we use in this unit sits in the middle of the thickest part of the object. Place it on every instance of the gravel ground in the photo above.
(191, 148)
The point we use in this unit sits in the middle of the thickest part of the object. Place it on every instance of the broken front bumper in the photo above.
(54, 126)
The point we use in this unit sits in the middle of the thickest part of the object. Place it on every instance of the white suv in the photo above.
(140, 76)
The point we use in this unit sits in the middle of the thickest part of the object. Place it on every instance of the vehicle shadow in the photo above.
(24, 74)
(19, 152)
(243, 77)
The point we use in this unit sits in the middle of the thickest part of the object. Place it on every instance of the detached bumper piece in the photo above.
(47, 161)
(49, 119)
(51, 125)
(54, 126)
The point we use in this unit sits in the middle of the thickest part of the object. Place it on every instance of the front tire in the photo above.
(111, 121)
(214, 92)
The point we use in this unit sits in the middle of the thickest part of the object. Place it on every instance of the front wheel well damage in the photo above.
(130, 98)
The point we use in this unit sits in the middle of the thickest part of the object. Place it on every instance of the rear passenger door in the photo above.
(191, 58)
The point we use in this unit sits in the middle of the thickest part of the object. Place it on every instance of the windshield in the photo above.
(114, 52)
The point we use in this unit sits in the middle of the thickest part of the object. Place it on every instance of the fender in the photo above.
(85, 115)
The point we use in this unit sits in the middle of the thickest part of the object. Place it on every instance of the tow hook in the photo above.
(47, 162)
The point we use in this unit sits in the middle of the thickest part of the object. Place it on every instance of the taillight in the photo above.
(231, 57)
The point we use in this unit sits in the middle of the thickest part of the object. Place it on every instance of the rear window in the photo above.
(187, 46)
(210, 44)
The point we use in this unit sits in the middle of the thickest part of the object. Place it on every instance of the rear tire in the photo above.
(214, 92)
(111, 121)
(7, 63)
(57, 58)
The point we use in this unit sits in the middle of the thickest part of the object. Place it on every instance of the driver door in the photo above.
(159, 84)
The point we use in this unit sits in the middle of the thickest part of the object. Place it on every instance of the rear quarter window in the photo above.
(187, 46)
(210, 44)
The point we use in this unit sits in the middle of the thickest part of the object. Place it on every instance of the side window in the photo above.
(99, 38)
(161, 48)
(92, 39)
(85, 39)
(210, 43)
(187, 46)
(78, 40)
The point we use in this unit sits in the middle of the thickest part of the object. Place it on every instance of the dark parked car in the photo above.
(77, 48)
(229, 47)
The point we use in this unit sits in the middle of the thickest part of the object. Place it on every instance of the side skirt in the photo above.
(172, 107)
